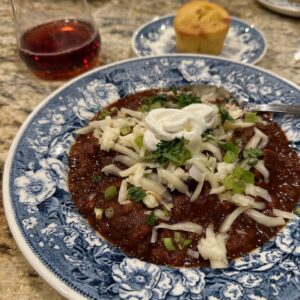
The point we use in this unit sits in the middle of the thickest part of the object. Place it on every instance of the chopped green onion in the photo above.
(169, 245)
(224, 114)
(144, 108)
(234, 147)
(155, 105)
(238, 179)
(239, 187)
(136, 194)
(98, 213)
(96, 178)
(230, 157)
(185, 243)
(166, 212)
(228, 182)
(248, 177)
(103, 114)
(177, 237)
(238, 172)
(139, 141)
(297, 211)
(110, 192)
(152, 219)
(125, 129)
(251, 117)
(109, 213)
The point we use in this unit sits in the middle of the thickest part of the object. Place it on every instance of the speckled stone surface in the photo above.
(21, 92)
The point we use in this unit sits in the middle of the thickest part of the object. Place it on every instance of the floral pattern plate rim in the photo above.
(244, 42)
(285, 7)
(67, 252)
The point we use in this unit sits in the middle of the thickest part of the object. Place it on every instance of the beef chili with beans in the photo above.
(184, 177)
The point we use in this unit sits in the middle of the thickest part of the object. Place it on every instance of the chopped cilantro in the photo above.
(224, 114)
(136, 194)
(173, 151)
(251, 117)
(207, 135)
(184, 99)
(96, 178)
(152, 218)
(254, 153)
(153, 102)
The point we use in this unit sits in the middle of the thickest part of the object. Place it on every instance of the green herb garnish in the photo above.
(252, 155)
(251, 117)
(252, 152)
(153, 102)
(96, 178)
(173, 151)
(136, 194)
(207, 135)
(103, 114)
(186, 99)
(224, 114)
(110, 192)
(152, 218)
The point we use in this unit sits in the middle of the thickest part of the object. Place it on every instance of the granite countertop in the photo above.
(21, 92)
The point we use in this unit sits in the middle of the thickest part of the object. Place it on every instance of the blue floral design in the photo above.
(64, 242)
(243, 42)
(138, 280)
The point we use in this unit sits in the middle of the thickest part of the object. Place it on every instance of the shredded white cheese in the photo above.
(213, 247)
(264, 219)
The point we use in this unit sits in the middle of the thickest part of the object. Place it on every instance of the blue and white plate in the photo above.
(243, 43)
(284, 7)
(68, 253)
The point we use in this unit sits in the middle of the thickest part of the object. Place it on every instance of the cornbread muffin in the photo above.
(201, 27)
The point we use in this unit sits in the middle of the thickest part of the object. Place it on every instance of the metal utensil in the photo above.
(282, 108)
(222, 94)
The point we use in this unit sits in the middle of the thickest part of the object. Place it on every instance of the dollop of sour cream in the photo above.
(166, 124)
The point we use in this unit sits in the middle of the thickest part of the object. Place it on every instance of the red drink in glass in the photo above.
(60, 49)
